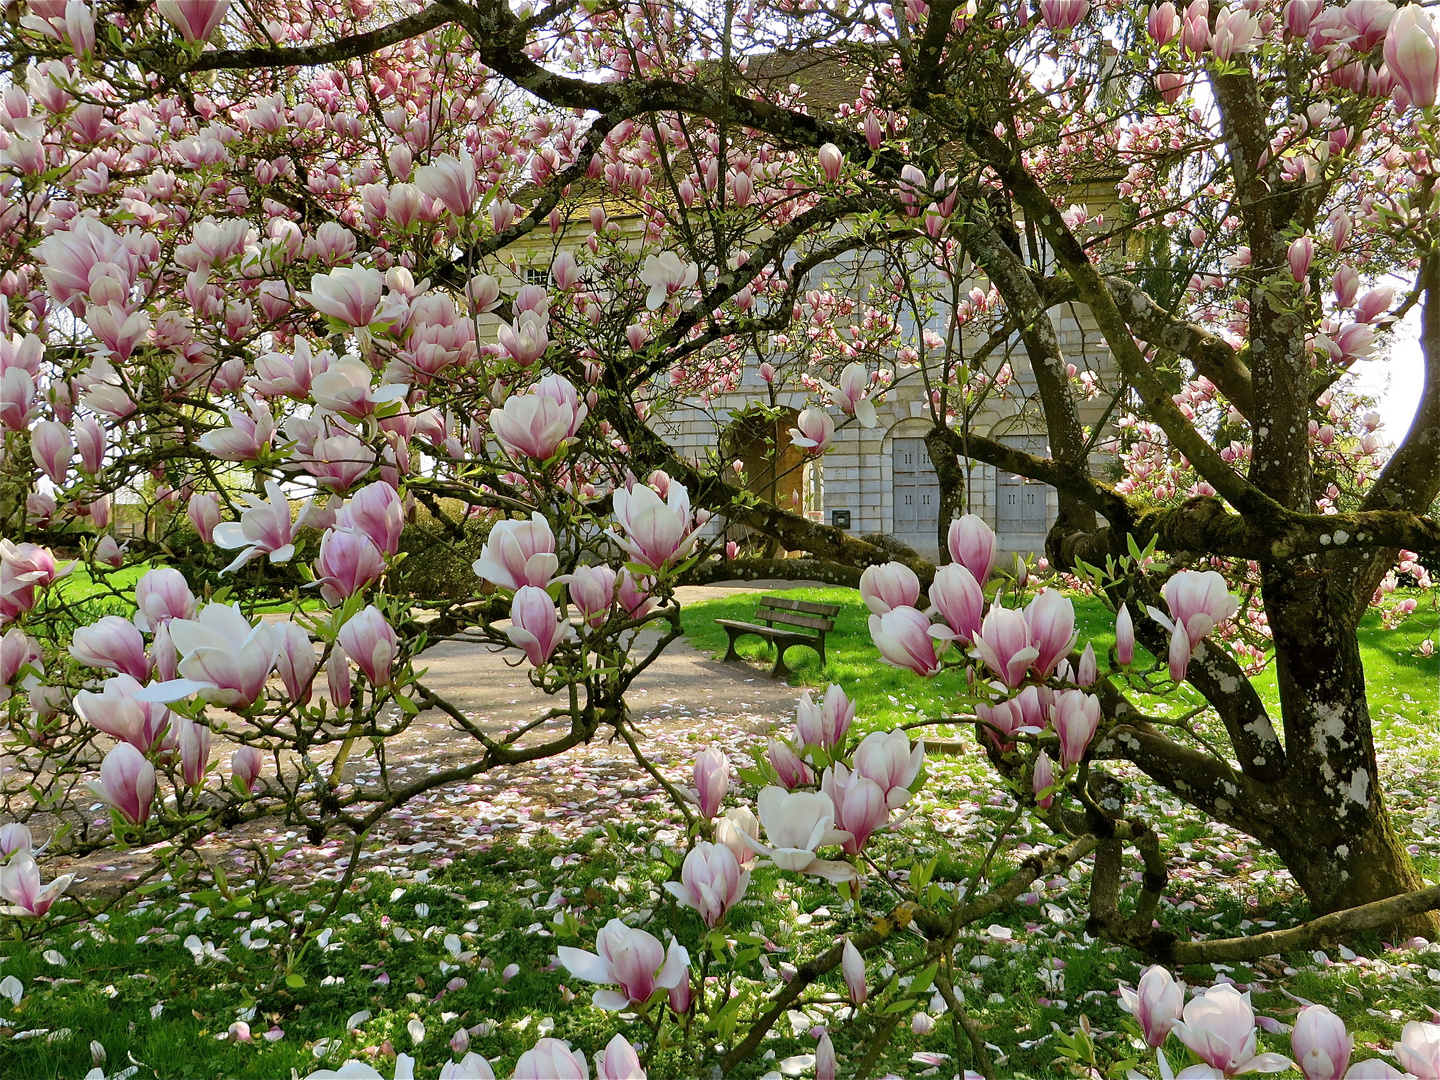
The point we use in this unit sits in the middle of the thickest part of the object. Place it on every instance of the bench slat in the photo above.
(769, 632)
(790, 618)
(807, 606)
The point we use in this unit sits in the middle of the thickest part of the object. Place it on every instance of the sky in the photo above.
(1395, 379)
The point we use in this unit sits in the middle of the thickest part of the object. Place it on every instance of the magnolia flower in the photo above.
(860, 804)
(195, 19)
(248, 436)
(14, 837)
(1051, 619)
(789, 768)
(1198, 601)
(956, 595)
(1124, 637)
(376, 511)
(534, 425)
(121, 714)
(1042, 780)
(450, 180)
(344, 388)
(889, 586)
(1412, 53)
(824, 725)
(903, 637)
(551, 1059)
(536, 626)
(1322, 1045)
(127, 783)
(1219, 1026)
(1156, 1004)
(659, 531)
(891, 761)
(1076, 716)
(518, 553)
(113, 643)
(1418, 1051)
(592, 591)
(852, 969)
(348, 562)
(264, 529)
(1004, 644)
(666, 274)
(971, 543)
(731, 831)
(711, 774)
(619, 1061)
(20, 885)
(203, 510)
(629, 958)
(162, 594)
(51, 447)
(814, 431)
(350, 294)
(224, 658)
(850, 397)
(711, 882)
(371, 642)
(796, 823)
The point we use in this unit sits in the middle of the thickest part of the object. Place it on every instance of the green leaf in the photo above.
(294, 981)
(924, 980)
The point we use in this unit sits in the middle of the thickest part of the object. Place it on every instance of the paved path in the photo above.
(682, 703)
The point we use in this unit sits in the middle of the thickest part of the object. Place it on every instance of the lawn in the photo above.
(160, 983)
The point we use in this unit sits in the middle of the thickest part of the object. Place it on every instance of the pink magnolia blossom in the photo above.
(24, 568)
(14, 837)
(592, 591)
(849, 395)
(371, 642)
(1412, 53)
(666, 274)
(20, 885)
(296, 660)
(658, 531)
(193, 741)
(1418, 1051)
(619, 1061)
(344, 388)
(824, 725)
(814, 431)
(376, 511)
(891, 761)
(1000, 721)
(831, 161)
(1322, 1045)
(350, 294)
(536, 627)
(121, 714)
(861, 808)
(127, 783)
(203, 510)
(1051, 620)
(52, 449)
(958, 598)
(113, 643)
(1042, 780)
(245, 766)
(224, 658)
(633, 594)
(711, 882)
(518, 553)
(629, 958)
(1163, 23)
(889, 586)
(1236, 31)
(795, 824)
(264, 529)
(903, 637)
(1300, 255)
(972, 544)
(1004, 644)
(278, 374)
(1076, 716)
(19, 652)
(348, 563)
(452, 181)
(1124, 637)
(789, 768)
(825, 1063)
(1180, 652)
(1062, 15)
(551, 1059)
(711, 774)
(162, 594)
(526, 339)
(535, 425)
(1219, 1026)
(195, 19)
(338, 461)
(1156, 1004)
(1198, 601)
(731, 831)
(852, 970)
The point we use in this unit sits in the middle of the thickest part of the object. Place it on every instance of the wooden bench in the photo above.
(787, 622)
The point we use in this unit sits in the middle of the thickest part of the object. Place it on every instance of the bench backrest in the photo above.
(797, 613)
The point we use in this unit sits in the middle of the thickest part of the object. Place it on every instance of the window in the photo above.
(917, 489)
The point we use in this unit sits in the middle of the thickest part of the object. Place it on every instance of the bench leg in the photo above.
(820, 648)
(730, 653)
(780, 671)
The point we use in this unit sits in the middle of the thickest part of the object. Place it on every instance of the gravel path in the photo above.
(682, 703)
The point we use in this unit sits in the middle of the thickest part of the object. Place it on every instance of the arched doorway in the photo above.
(771, 468)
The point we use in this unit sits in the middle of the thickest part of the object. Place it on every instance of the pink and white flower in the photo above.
(889, 586)
(518, 553)
(536, 627)
(629, 958)
(264, 529)
(711, 882)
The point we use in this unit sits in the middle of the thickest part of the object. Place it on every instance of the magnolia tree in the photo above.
(278, 277)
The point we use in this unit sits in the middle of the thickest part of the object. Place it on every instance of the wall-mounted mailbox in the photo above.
(840, 519)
